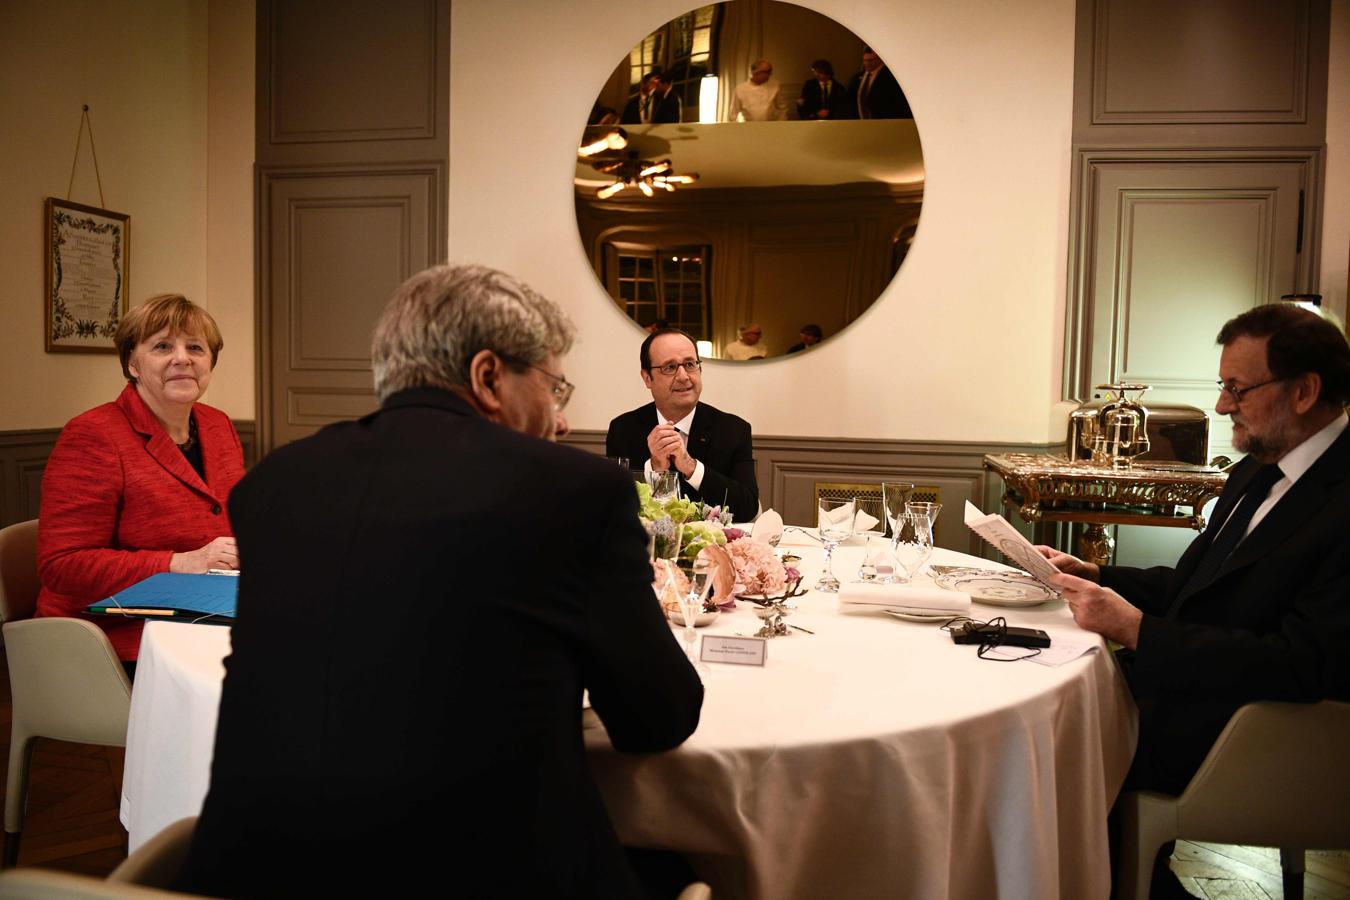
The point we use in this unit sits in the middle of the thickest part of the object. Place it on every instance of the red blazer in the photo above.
(119, 499)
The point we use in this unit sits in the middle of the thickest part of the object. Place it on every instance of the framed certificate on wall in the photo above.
(88, 274)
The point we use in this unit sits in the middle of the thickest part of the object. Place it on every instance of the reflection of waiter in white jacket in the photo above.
(761, 98)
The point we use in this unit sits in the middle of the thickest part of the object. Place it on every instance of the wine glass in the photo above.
(834, 519)
(894, 496)
(665, 485)
(691, 607)
(913, 542)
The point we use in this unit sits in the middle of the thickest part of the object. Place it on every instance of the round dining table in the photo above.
(867, 757)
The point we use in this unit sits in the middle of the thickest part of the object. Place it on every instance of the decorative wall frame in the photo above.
(88, 276)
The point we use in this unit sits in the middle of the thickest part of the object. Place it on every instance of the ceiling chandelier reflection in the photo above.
(628, 170)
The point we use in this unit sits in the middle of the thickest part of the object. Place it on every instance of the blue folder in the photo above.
(171, 595)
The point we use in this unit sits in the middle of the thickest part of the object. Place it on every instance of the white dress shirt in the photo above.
(1295, 463)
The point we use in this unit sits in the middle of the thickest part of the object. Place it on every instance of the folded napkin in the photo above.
(903, 597)
(862, 521)
(768, 528)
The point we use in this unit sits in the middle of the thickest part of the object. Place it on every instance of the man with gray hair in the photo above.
(425, 594)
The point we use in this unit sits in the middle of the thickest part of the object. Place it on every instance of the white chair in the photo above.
(1276, 777)
(67, 682)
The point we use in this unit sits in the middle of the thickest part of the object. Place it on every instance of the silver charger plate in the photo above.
(998, 590)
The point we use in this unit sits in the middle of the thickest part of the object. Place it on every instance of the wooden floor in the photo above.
(74, 793)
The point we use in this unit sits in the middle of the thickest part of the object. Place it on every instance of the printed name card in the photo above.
(739, 651)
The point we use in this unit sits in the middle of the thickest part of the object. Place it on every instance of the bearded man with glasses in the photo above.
(1258, 607)
(712, 450)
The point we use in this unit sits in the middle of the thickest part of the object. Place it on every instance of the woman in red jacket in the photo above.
(138, 486)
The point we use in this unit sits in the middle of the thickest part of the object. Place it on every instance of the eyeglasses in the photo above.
(562, 390)
(1237, 393)
(690, 366)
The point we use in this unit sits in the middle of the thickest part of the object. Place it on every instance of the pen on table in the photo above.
(120, 611)
(234, 572)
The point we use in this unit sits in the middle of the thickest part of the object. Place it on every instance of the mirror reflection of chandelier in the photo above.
(628, 170)
(642, 174)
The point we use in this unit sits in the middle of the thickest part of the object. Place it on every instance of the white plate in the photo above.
(998, 590)
(925, 618)
(703, 618)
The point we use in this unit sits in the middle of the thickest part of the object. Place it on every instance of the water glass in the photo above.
(913, 542)
(894, 496)
(665, 485)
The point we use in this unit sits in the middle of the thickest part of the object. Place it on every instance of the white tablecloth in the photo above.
(873, 758)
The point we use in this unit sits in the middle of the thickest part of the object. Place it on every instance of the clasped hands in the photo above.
(1094, 607)
(665, 445)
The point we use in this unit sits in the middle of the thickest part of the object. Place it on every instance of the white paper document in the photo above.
(1009, 541)
(1058, 653)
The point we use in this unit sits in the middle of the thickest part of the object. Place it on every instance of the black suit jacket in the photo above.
(1273, 624)
(809, 104)
(721, 441)
(669, 107)
(885, 100)
(424, 596)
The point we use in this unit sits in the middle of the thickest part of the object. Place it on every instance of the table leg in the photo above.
(1095, 544)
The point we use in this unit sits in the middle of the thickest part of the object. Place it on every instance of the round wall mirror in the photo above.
(751, 173)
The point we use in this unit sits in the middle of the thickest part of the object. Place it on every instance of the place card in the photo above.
(738, 651)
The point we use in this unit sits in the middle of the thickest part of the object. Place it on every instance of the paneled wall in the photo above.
(352, 140)
(23, 457)
(1196, 183)
(788, 469)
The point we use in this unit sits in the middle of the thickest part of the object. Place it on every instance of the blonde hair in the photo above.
(172, 311)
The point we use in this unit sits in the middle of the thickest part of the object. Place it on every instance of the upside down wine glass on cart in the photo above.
(913, 542)
(691, 607)
(834, 519)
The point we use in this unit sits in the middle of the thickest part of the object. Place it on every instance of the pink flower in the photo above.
(757, 569)
(733, 534)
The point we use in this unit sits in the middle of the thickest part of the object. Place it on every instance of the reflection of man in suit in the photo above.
(874, 93)
(712, 450)
(640, 109)
(426, 593)
(1258, 607)
(668, 106)
(822, 97)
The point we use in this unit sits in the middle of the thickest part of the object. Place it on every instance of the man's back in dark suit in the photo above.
(884, 99)
(425, 594)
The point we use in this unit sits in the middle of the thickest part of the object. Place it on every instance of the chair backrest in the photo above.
(19, 584)
(159, 861)
(1276, 776)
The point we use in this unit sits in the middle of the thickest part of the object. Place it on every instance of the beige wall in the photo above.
(142, 66)
(965, 345)
(967, 342)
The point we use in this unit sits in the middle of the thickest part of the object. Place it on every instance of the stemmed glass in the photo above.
(913, 542)
(834, 519)
(691, 606)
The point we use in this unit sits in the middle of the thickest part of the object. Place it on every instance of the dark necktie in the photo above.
(1235, 528)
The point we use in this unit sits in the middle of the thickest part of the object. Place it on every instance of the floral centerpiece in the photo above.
(682, 529)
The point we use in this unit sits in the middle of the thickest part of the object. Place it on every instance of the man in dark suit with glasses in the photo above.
(1258, 607)
(712, 450)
